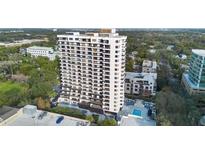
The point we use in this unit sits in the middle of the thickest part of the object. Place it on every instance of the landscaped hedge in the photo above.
(68, 111)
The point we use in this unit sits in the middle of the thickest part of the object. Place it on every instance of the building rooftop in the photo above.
(6, 112)
(200, 52)
(41, 118)
(102, 33)
(170, 47)
(40, 48)
(143, 76)
(181, 56)
(149, 63)
(152, 50)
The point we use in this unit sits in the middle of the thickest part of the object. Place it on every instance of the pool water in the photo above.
(137, 112)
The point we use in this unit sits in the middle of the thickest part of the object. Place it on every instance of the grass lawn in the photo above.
(7, 86)
(11, 91)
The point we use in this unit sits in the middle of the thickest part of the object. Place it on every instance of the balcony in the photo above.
(96, 102)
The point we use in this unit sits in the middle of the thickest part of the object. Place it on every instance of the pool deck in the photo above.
(133, 121)
(135, 114)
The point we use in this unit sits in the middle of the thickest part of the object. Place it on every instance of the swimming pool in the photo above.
(137, 112)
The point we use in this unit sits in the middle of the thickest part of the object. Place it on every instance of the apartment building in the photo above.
(93, 70)
(194, 80)
(41, 51)
(149, 66)
(140, 83)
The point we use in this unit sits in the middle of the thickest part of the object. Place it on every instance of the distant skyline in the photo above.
(118, 29)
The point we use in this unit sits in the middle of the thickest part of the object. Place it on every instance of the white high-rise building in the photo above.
(93, 69)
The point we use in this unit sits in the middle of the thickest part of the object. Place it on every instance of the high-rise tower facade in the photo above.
(92, 67)
(194, 80)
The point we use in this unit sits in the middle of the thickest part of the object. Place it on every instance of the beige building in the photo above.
(140, 83)
(149, 66)
(93, 69)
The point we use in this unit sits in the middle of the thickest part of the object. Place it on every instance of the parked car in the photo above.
(59, 120)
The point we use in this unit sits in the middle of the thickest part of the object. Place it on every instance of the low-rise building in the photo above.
(133, 55)
(149, 66)
(31, 116)
(152, 50)
(152, 46)
(181, 56)
(55, 30)
(183, 66)
(23, 51)
(137, 68)
(42, 51)
(140, 83)
(170, 47)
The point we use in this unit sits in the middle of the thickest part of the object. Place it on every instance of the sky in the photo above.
(102, 14)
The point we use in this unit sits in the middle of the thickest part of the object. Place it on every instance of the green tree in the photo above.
(68, 111)
(41, 89)
(108, 122)
(90, 118)
(42, 104)
(12, 93)
(173, 109)
(129, 65)
(26, 69)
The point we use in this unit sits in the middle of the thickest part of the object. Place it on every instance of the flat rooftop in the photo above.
(40, 48)
(144, 76)
(23, 119)
(108, 33)
(149, 63)
(200, 52)
(6, 112)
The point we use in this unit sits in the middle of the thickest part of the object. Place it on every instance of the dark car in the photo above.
(41, 115)
(58, 121)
